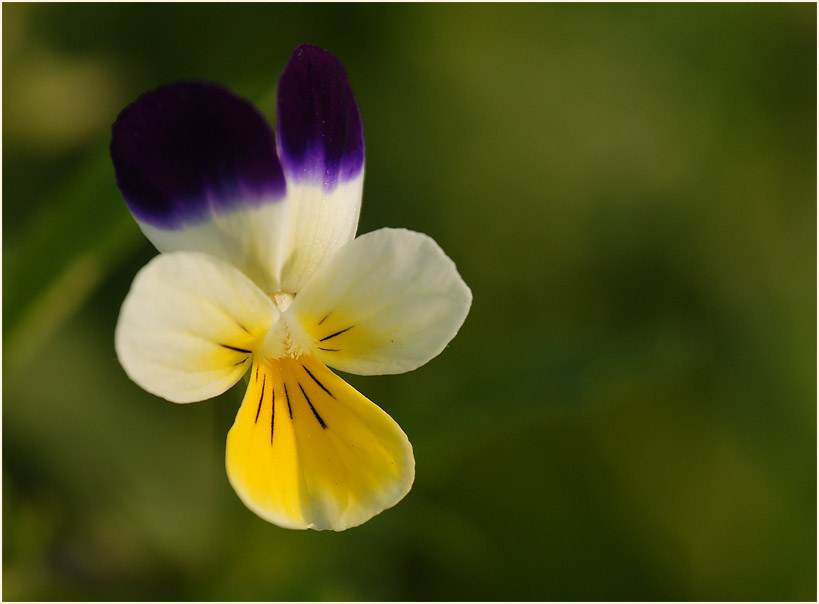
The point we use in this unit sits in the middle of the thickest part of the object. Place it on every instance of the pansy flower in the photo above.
(260, 274)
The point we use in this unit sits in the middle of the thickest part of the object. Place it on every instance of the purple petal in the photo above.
(188, 149)
(318, 124)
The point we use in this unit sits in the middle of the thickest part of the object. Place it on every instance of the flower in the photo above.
(260, 274)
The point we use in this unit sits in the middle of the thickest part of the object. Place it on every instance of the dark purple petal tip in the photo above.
(318, 124)
(188, 149)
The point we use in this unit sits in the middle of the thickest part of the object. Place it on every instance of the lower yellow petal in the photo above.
(308, 451)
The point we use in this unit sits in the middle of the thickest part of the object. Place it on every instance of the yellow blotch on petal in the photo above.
(308, 451)
(340, 334)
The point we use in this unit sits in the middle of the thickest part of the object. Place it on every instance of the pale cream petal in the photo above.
(387, 302)
(189, 326)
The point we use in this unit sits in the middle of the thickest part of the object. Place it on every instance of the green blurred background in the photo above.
(629, 411)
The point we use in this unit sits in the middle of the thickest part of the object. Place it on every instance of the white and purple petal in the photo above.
(198, 168)
(188, 150)
(201, 170)
(318, 124)
(321, 148)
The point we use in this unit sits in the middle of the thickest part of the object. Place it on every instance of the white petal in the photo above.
(277, 244)
(189, 326)
(387, 302)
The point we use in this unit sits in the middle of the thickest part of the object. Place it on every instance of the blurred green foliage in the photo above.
(629, 411)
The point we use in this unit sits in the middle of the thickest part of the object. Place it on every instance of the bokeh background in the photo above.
(629, 411)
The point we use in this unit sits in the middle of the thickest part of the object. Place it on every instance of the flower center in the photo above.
(285, 338)
(282, 300)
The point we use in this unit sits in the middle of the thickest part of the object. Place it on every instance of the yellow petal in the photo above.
(308, 451)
